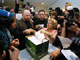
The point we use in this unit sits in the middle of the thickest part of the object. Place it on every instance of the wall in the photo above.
(10, 3)
(61, 3)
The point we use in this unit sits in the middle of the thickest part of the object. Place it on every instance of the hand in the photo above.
(37, 26)
(33, 31)
(54, 54)
(43, 31)
(15, 42)
(28, 31)
(14, 54)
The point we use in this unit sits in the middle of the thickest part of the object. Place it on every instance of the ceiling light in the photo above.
(42, 3)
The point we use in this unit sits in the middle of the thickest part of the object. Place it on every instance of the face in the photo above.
(12, 10)
(15, 42)
(50, 25)
(27, 15)
(52, 16)
(42, 15)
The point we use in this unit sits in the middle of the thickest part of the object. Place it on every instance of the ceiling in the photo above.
(38, 5)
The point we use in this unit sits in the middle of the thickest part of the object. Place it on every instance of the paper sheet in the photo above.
(38, 38)
(70, 55)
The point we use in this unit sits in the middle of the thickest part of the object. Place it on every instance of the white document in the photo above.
(41, 25)
(18, 16)
(69, 55)
(38, 38)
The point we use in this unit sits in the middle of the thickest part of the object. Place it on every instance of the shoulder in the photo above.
(54, 31)
(44, 28)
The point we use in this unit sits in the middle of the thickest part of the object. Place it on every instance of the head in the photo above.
(26, 15)
(42, 14)
(70, 12)
(76, 13)
(27, 7)
(58, 11)
(6, 18)
(67, 4)
(1, 6)
(53, 14)
(2, 49)
(52, 24)
(19, 11)
(12, 10)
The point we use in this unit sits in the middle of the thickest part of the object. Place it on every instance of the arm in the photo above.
(14, 54)
(52, 35)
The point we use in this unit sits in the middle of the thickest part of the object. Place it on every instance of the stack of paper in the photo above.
(38, 38)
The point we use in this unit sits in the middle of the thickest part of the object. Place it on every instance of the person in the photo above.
(72, 52)
(8, 55)
(24, 27)
(41, 21)
(5, 22)
(66, 11)
(51, 33)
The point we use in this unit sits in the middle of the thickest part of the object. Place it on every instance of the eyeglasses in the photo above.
(49, 23)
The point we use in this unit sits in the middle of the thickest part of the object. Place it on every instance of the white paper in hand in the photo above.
(38, 38)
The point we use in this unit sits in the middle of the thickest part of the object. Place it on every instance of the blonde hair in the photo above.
(53, 13)
(54, 22)
(69, 3)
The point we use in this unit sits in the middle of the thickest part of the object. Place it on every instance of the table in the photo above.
(24, 55)
(65, 41)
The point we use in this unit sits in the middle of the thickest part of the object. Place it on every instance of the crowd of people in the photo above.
(56, 23)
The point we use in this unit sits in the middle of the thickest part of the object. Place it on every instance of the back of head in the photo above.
(58, 11)
(6, 18)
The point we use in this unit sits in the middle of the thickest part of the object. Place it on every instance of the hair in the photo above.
(2, 46)
(41, 11)
(76, 12)
(53, 13)
(59, 11)
(69, 3)
(54, 22)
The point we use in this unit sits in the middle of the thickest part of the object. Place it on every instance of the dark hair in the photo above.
(75, 9)
(59, 11)
(41, 11)
(5, 21)
(2, 46)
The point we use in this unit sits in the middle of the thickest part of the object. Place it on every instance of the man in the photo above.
(24, 27)
(41, 22)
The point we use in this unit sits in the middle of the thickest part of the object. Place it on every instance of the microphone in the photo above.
(6, 13)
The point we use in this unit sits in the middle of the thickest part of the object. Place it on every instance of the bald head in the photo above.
(26, 14)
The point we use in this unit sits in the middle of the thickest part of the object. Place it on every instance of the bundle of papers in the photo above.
(38, 38)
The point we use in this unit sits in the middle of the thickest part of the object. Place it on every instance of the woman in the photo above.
(51, 33)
